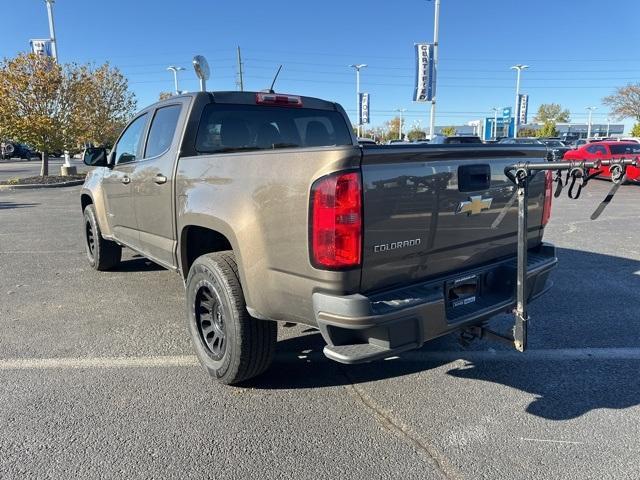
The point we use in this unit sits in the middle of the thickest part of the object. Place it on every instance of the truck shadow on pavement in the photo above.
(137, 264)
(592, 308)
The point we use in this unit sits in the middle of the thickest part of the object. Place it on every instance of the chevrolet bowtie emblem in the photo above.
(474, 205)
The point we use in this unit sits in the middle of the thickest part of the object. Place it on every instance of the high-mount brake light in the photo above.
(548, 196)
(336, 221)
(278, 99)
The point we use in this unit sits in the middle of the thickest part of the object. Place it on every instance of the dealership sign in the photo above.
(425, 73)
(523, 104)
(41, 47)
(363, 114)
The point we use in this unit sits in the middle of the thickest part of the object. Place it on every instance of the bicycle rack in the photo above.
(578, 174)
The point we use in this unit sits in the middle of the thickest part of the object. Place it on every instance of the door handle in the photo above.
(160, 179)
(125, 180)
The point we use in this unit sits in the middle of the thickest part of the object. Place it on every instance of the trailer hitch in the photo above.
(578, 175)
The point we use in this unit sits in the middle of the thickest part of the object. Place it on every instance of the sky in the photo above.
(578, 50)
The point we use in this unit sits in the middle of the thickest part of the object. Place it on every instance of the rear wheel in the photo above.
(102, 254)
(230, 344)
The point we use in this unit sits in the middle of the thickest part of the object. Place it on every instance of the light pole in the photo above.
(495, 122)
(591, 109)
(518, 68)
(358, 66)
(608, 126)
(400, 126)
(175, 71)
(52, 30)
(436, 29)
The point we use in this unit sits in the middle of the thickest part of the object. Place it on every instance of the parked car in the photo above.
(455, 139)
(521, 141)
(271, 211)
(366, 141)
(557, 148)
(629, 139)
(16, 150)
(606, 151)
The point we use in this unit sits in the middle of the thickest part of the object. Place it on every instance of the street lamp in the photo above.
(518, 68)
(608, 126)
(52, 31)
(495, 122)
(590, 109)
(175, 71)
(358, 66)
(401, 110)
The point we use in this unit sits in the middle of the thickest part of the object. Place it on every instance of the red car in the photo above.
(608, 150)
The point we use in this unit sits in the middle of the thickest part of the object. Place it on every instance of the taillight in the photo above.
(336, 221)
(548, 195)
(278, 99)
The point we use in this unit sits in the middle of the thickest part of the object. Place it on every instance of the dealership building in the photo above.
(485, 130)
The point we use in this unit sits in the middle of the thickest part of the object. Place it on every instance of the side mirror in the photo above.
(95, 157)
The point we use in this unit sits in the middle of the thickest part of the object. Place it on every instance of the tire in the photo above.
(231, 345)
(102, 254)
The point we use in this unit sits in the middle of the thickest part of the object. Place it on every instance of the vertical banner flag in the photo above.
(523, 104)
(41, 47)
(363, 114)
(425, 73)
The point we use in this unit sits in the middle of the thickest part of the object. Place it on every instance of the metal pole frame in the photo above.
(358, 112)
(436, 32)
(52, 31)
(515, 108)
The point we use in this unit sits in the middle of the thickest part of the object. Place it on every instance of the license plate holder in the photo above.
(462, 291)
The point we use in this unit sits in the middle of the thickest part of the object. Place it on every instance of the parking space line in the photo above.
(98, 362)
(442, 356)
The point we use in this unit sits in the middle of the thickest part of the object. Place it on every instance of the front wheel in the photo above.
(102, 254)
(230, 344)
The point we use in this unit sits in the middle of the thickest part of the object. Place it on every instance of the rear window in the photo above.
(235, 128)
(625, 149)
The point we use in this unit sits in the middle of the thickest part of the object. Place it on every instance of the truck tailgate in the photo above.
(431, 210)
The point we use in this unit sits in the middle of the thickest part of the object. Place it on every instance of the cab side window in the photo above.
(128, 147)
(163, 127)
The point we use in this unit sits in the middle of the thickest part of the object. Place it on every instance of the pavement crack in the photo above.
(394, 425)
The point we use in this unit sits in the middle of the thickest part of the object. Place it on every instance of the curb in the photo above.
(29, 186)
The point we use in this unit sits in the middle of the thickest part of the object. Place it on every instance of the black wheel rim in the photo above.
(210, 321)
(91, 239)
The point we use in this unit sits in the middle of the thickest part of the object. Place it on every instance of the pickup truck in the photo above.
(271, 211)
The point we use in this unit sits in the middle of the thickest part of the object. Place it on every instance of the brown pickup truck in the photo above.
(270, 211)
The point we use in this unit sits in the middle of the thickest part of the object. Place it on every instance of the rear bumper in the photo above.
(360, 328)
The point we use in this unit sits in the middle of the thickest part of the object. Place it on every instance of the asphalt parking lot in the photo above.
(97, 377)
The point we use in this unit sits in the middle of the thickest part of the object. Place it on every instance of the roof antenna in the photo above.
(274, 80)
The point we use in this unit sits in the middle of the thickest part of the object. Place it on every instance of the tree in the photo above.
(415, 134)
(625, 102)
(553, 112)
(448, 131)
(548, 130)
(52, 107)
(37, 98)
(393, 129)
(527, 132)
(635, 131)
(105, 107)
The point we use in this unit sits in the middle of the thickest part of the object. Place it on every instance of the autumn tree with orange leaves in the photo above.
(53, 107)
